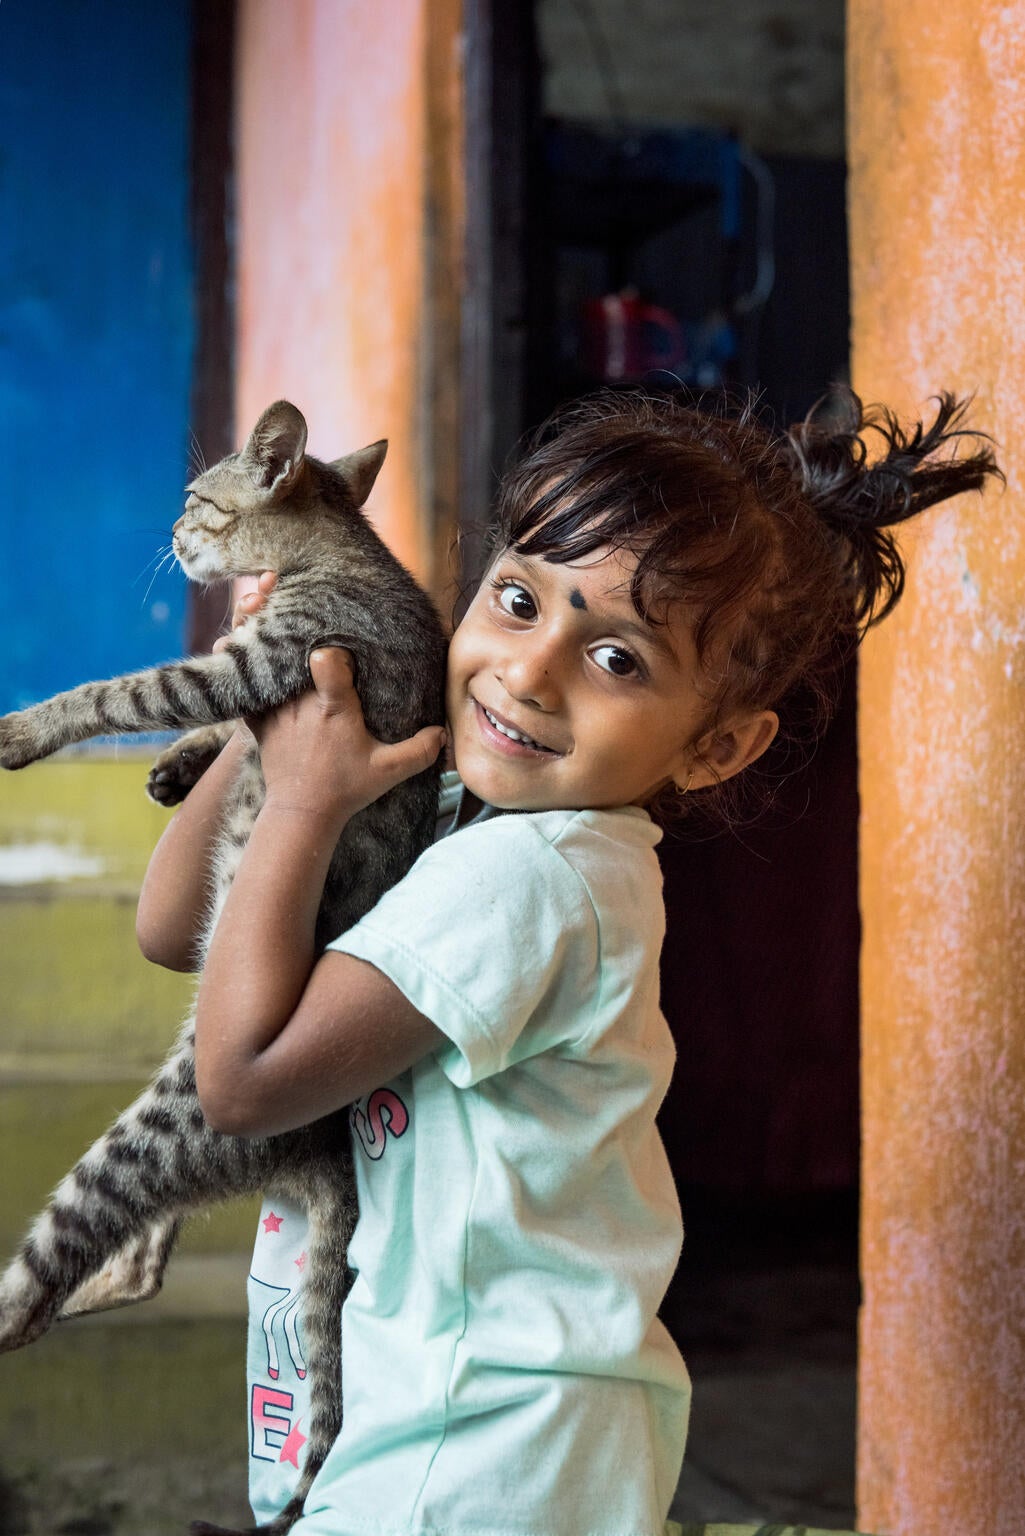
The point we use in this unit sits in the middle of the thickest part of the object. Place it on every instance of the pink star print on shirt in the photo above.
(293, 1445)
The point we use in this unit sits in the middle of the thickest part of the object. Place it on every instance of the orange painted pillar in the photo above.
(936, 100)
(342, 117)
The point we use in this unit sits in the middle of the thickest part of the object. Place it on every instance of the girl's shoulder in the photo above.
(603, 860)
(628, 825)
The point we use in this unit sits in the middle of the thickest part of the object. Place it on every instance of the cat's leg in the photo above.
(136, 1273)
(246, 677)
(158, 1160)
(183, 763)
(82, 1244)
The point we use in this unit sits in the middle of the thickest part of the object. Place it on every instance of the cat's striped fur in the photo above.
(111, 1224)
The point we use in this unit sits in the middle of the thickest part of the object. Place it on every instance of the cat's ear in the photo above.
(273, 453)
(359, 470)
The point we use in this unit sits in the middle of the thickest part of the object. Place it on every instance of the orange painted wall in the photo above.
(937, 156)
(331, 144)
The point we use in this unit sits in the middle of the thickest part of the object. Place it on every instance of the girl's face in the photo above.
(561, 696)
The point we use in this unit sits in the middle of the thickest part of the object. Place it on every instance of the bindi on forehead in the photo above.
(576, 598)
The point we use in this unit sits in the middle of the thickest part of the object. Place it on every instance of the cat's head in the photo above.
(255, 510)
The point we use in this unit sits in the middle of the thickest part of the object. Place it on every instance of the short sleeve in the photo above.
(492, 935)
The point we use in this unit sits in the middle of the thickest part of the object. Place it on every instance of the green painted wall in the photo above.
(84, 1019)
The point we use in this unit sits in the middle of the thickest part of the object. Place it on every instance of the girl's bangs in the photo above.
(677, 561)
(564, 524)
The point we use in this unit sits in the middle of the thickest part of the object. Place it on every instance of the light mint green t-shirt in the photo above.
(277, 1381)
(504, 1369)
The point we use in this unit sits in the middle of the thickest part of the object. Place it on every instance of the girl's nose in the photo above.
(530, 671)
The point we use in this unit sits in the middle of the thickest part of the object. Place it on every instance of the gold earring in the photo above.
(685, 788)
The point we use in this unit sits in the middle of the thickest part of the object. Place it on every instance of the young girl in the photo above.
(661, 579)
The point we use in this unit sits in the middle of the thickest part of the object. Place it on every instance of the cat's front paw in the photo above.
(25, 1309)
(184, 762)
(19, 744)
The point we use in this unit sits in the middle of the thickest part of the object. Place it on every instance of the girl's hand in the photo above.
(319, 759)
(248, 604)
(283, 1037)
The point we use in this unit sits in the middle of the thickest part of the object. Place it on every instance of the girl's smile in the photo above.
(505, 737)
(560, 695)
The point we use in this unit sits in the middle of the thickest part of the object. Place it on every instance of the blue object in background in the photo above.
(96, 336)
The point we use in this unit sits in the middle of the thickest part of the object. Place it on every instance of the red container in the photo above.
(623, 338)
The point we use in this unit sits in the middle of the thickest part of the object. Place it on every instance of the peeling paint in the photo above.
(330, 173)
(937, 111)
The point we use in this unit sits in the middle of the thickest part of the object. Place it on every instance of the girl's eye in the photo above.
(612, 658)
(515, 600)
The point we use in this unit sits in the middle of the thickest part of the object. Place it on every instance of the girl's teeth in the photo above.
(507, 730)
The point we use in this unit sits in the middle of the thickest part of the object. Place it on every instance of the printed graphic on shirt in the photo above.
(280, 1319)
(375, 1118)
(278, 1397)
(274, 1436)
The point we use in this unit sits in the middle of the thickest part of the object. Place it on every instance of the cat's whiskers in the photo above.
(149, 564)
(160, 561)
(197, 462)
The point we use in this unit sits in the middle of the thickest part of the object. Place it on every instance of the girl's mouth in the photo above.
(507, 738)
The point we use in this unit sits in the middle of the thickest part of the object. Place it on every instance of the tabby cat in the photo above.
(112, 1222)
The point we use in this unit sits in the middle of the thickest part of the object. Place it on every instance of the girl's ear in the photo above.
(724, 752)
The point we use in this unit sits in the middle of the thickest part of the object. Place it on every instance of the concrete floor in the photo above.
(772, 1429)
(131, 1424)
(764, 1308)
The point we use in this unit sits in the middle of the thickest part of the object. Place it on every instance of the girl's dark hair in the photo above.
(777, 542)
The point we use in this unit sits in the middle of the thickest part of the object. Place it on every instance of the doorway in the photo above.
(659, 196)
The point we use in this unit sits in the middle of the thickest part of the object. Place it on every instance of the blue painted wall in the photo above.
(96, 329)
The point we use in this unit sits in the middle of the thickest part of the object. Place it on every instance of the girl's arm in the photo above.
(282, 1037)
(175, 894)
(176, 891)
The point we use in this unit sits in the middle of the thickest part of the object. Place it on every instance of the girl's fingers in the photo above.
(251, 602)
(316, 750)
(331, 668)
(242, 611)
(398, 761)
(247, 605)
(418, 753)
(333, 675)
